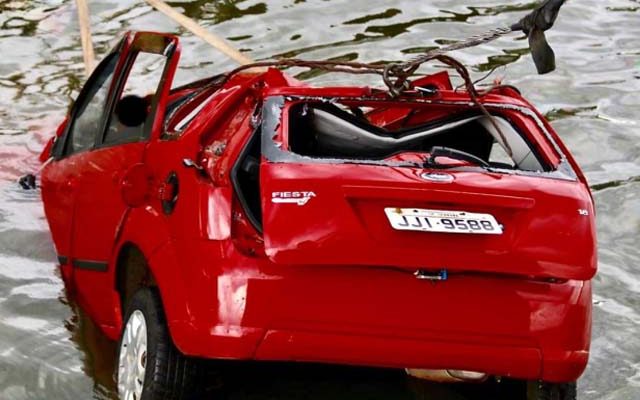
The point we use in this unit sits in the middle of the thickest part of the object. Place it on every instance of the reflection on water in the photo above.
(100, 353)
(219, 11)
(48, 350)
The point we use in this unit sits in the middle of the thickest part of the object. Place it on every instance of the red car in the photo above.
(254, 217)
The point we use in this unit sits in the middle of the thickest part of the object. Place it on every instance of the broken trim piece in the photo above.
(91, 265)
(255, 220)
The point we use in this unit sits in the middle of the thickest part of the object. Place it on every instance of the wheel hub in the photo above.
(132, 362)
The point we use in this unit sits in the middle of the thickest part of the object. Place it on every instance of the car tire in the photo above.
(149, 366)
(538, 390)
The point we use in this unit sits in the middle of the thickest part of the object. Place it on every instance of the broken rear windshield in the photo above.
(391, 132)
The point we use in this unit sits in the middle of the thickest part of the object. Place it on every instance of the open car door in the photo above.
(112, 178)
(338, 191)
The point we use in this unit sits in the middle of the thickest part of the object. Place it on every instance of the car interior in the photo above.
(328, 131)
(128, 120)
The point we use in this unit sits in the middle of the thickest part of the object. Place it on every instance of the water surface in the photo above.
(50, 351)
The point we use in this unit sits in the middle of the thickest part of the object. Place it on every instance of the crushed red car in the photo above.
(254, 217)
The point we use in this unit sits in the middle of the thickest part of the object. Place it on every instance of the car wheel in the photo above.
(149, 365)
(538, 390)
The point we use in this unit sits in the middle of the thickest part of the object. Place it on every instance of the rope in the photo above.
(329, 66)
(85, 36)
(197, 29)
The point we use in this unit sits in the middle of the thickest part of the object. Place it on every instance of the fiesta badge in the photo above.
(299, 198)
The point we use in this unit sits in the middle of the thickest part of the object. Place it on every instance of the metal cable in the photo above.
(396, 75)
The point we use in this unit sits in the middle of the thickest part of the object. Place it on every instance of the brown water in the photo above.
(49, 351)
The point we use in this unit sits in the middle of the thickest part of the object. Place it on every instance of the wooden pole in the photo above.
(85, 36)
(199, 31)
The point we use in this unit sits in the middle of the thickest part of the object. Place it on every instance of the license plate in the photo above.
(416, 219)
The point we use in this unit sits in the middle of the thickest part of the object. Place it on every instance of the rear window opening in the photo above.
(325, 130)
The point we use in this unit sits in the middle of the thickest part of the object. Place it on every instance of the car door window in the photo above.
(131, 117)
(90, 113)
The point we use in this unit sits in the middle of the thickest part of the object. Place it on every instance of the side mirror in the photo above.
(132, 111)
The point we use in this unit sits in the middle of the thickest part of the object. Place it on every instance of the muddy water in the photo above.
(50, 351)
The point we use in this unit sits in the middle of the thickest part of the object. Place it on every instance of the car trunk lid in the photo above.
(337, 214)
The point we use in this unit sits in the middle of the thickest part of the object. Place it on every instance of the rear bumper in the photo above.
(367, 316)
(517, 362)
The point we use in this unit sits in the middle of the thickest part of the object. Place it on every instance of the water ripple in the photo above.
(49, 350)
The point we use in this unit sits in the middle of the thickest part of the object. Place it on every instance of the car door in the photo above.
(115, 178)
(61, 177)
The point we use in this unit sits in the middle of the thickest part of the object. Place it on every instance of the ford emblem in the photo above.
(437, 177)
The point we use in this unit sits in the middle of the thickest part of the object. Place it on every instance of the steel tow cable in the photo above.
(396, 75)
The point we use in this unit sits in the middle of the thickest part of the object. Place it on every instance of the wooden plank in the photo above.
(85, 36)
(199, 31)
